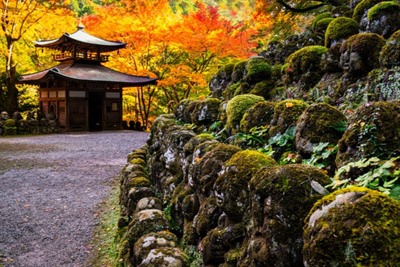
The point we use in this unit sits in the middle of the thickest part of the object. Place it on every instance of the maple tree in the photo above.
(182, 50)
(19, 19)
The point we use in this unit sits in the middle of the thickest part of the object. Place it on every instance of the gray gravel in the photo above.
(50, 186)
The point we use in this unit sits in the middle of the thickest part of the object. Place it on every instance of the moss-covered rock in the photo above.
(383, 18)
(236, 108)
(281, 199)
(263, 89)
(361, 9)
(260, 114)
(257, 69)
(180, 109)
(390, 53)
(188, 111)
(384, 84)
(238, 71)
(206, 168)
(206, 111)
(147, 242)
(353, 227)
(220, 80)
(231, 187)
(303, 70)
(360, 53)
(165, 257)
(207, 217)
(286, 113)
(373, 131)
(339, 29)
(319, 17)
(318, 124)
(220, 241)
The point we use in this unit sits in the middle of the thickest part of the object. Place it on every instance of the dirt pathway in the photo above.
(49, 188)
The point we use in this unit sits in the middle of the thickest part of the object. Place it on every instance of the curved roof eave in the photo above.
(82, 37)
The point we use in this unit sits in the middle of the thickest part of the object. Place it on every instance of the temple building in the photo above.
(81, 93)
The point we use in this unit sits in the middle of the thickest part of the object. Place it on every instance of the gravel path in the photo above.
(50, 186)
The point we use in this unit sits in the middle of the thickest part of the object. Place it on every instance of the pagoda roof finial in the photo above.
(80, 25)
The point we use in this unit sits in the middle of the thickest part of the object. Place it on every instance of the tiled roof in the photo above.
(88, 72)
(83, 38)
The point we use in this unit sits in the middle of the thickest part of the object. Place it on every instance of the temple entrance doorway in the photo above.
(95, 111)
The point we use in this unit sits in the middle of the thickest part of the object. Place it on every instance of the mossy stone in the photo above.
(260, 114)
(390, 53)
(281, 199)
(231, 187)
(362, 8)
(339, 29)
(373, 131)
(256, 70)
(385, 6)
(180, 109)
(165, 256)
(319, 17)
(286, 114)
(206, 111)
(322, 25)
(236, 108)
(263, 89)
(353, 227)
(147, 242)
(317, 125)
(238, 71)
(367, 46)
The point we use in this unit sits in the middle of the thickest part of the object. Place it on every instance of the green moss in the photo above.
(138, 161)
(257, 69)
(139, 182)
(205, 136)
(263, 89)
(365, 226)
(260, 114)
(306, 59)
(229, 92)
(286, 113)
(320, 17)
(390, 53)
(238, 71)
(363, 7)
(236, 108)
(231, 186)
(340, 28)
(376, 10)
(206, 111)
(322, 25)
(367, 45)
(10, 123)
(248, 161)
(373, 131)
(280, 187)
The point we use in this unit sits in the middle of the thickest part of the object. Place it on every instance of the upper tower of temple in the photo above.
(81, 46)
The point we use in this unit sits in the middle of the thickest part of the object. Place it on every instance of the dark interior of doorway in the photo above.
(95, 111)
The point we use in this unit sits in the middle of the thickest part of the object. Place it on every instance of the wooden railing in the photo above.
(77, 56)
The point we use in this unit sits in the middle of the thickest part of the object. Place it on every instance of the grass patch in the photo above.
(105, 249)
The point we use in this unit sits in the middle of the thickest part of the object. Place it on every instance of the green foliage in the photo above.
(168, 214)
(194, 256)
(322, 155)
(283, 142)
(28, 98)
(340, 126)
(218, 131)
(372, 173)
(256, 137)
